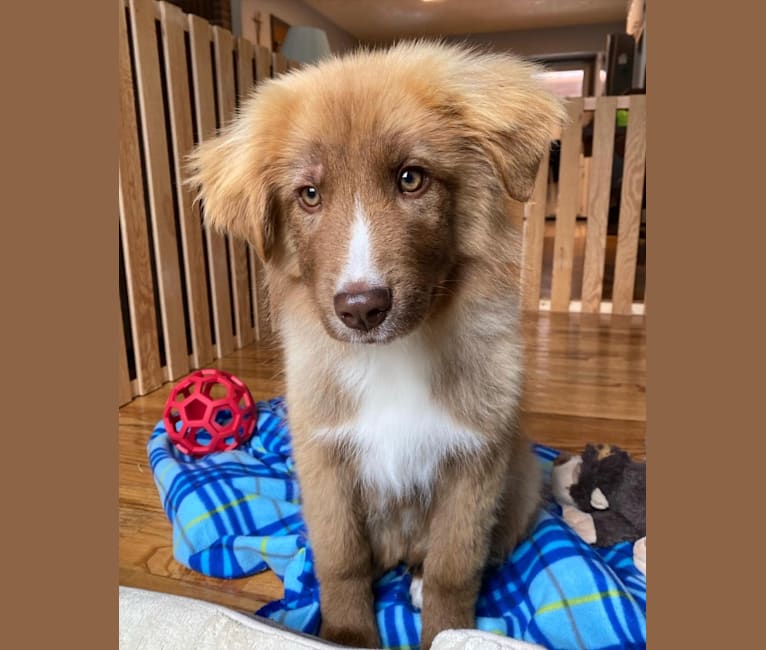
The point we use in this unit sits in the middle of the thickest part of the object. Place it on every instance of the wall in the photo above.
(549, 41)
(293, 12)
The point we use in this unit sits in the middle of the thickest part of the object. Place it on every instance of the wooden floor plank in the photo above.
(589, 366)
(571, 433)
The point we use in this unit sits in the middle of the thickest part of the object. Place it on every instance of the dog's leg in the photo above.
(459, 543)
(416, 587)
(342, 556)
(521, 501)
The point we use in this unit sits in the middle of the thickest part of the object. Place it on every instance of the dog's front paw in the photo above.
(581, 522)
(350, 635)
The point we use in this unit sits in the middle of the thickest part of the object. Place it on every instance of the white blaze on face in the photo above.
(360, 266)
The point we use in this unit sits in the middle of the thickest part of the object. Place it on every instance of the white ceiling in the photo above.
(371, 20)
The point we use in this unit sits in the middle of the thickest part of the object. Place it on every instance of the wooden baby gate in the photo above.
(582, 196)
(190, 295)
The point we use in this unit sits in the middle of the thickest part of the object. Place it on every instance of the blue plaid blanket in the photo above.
(238, 513)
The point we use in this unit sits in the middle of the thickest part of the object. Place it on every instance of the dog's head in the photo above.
(368, 178)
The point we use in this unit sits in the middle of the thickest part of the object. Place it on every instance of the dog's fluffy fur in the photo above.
(405, 437)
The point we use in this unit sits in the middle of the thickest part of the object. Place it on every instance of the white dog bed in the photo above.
(151, 620)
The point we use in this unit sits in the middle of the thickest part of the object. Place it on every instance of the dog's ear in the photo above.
(233, 185)
(516, 117)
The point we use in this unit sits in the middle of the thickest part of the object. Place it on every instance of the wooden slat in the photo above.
(582, 206)
(159, 185)
(173, 19)
(262, 322)
(135, 237)
(566, 215)
(262, 63)
(224, 63)
(644, 305)
(623, 101)
(598, 203)
(204, 100)
(124, 390)
(246, 84)
(245, 78)
(280, 64)
(630, 207)
(534, 234)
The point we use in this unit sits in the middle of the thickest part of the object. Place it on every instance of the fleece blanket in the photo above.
(238, 513)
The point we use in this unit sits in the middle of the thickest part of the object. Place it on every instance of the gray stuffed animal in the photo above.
(603, 497)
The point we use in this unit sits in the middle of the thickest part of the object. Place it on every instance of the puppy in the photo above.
(376, 189)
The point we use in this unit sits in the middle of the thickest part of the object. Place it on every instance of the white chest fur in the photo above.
(399, 431)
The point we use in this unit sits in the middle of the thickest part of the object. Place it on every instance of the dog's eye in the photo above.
(309, 196)
(411, 179)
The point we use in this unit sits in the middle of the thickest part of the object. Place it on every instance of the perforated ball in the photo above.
(209, 410)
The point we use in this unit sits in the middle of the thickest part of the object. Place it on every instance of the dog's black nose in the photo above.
(363, 310)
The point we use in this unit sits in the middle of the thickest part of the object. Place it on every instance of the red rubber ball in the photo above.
(209, 410)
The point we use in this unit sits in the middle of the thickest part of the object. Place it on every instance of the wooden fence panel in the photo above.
(591, 179)
(223, 277)
(630, 207)
(134, 232)
(173, 24)
(200, 37)
(151, 104)
(183, 281)
(563, 254)
(598, 203)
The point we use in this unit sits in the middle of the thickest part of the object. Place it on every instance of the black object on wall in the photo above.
(620, 49)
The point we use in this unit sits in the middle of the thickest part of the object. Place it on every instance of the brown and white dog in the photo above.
(375, 188)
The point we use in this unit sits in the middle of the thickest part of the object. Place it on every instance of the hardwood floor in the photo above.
(586, 382)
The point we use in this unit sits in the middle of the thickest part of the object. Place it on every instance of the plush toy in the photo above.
(602, 494)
